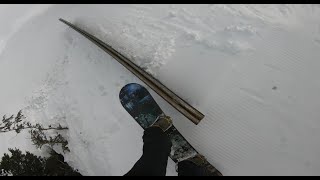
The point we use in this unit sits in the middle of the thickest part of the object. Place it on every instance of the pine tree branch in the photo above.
(17, 124)
(38, 137)
(42, 129)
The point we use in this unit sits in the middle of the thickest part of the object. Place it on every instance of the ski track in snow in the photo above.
(239, 64)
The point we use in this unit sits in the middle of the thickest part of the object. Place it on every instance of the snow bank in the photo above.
(251, 69)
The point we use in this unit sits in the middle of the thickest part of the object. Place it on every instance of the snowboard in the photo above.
(139, 103)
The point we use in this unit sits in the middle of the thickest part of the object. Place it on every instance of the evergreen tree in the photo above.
(27, 164)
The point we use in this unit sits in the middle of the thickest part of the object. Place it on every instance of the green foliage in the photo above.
(27, 164)
(19, 164)
(17, 123)
(39, 138)
(55, 166)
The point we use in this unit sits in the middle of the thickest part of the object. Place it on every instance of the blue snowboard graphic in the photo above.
(142, 107)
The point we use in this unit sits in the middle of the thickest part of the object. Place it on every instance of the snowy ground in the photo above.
(251, 69)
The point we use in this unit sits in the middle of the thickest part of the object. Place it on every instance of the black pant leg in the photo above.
(156, 150)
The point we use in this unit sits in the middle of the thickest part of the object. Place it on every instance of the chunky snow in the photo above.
(253, 70)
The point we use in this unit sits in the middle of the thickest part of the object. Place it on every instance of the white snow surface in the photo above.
(253, 70)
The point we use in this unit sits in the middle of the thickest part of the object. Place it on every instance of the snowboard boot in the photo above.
(201, 162)
(164, 122)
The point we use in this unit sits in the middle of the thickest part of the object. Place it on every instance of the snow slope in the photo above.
(251, 69)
